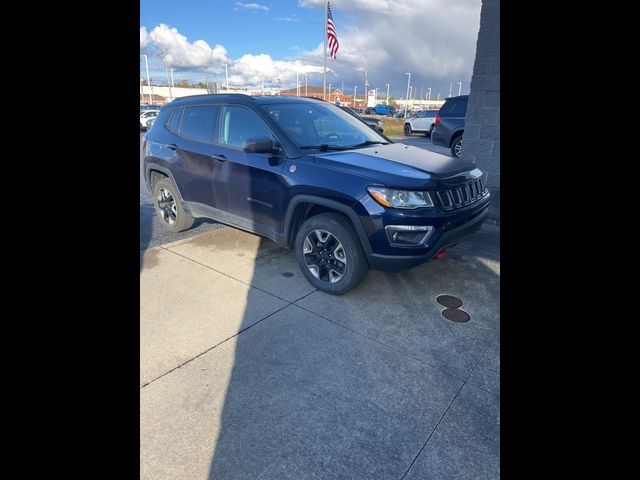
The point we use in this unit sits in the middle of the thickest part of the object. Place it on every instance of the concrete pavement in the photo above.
(247, 371)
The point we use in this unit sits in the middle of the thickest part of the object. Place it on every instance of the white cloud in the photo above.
(291, 18)
(144, 37)
(180, 53)
(253, 69)
(252, 6)
(435, 40)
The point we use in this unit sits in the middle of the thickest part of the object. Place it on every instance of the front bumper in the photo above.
(449, 228)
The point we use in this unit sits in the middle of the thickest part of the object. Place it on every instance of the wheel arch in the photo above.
(302, 207)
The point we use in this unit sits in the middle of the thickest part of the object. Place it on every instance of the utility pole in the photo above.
(366, 89)
(172, 82)
(406, 103)
(387, 94)
(355, 89)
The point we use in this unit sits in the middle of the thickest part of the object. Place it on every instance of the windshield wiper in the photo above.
(367, 143)
(324, 147)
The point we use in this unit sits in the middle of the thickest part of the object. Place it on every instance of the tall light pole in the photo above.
(141, 91)
(376, 95)
(421, 92)
(146, 64)
(329, 90)
(163, 55)
(355, 90)
(459, 88)
(226, 71)
(387, 93)
(342, 89)
(407, 97)
(297, 84)
(305, 84)
(410, 94)
(450, 85)
(429, 94)
(438, 96)
(172, 83)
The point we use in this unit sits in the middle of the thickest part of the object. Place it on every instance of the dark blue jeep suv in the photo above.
(311, 177)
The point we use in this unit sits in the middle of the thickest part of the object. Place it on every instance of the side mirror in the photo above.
(260, 145)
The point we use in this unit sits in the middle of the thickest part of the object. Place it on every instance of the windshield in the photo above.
(322, 126)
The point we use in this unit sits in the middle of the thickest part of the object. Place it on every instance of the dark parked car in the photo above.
(311, 177)
(373, 122)
(449, 125)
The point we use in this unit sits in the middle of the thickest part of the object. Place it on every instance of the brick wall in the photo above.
(481, 141)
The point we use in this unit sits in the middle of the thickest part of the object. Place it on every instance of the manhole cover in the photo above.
(455, 315)
(449, 301)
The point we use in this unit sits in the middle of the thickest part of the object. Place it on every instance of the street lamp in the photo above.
(459, 88)
(355, 90)
(146, 63)
(172, 83)
(387, 93)
(329, 92)
(429, 94)
(407, 97)
(450, 85)
(438, 96)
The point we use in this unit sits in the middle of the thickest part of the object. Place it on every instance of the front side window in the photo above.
(238, 124)
(320, 125)
(198, 122)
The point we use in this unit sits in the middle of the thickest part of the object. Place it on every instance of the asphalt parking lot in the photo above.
(248, 372)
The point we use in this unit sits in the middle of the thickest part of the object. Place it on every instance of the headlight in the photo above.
(400, 198)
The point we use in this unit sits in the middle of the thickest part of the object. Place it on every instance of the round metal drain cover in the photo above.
(449, 301)
(456, 315)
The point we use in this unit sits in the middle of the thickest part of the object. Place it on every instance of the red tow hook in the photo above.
(441, 254)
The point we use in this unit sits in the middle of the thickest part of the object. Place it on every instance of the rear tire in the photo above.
(407, 130)
(169, 207)
(329, 253)
(456, 147)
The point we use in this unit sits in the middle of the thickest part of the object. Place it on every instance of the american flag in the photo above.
(331, 34)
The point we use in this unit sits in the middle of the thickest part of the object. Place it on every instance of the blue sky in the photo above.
(269, 40)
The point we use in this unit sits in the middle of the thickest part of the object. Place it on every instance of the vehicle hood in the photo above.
(395, 164)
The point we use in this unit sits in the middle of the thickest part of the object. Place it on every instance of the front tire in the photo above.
(456, 147)
(407, 130)
(169, 207)
(329, 253)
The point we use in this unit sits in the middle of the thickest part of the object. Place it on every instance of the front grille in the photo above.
(461, 195)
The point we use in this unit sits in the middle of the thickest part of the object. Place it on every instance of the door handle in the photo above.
(172, 146)
(220, 158)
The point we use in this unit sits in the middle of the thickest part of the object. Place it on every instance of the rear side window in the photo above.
(454, 108)
(163, 117)
(198, 122)
(174, 123)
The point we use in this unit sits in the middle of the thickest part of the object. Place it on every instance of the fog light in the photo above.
(408, 235)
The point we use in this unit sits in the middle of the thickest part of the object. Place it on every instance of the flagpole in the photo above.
(324, 30)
